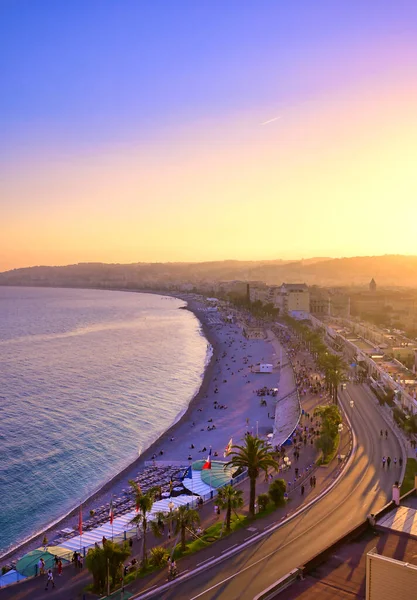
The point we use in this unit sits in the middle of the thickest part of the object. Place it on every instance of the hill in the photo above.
(388, 271)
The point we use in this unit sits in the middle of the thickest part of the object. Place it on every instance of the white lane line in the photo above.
(250, 537)
(229, 548)
(202, 562)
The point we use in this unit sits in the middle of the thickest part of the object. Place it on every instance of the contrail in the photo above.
(271, 120)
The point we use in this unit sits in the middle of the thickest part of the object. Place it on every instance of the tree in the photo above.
(330, 421)
(185, 518)
(144, 503)
(334, 369)
(255, 456)
(276, 491)
(106, 561)
(229, 498)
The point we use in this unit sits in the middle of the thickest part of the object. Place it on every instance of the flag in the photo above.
(111, 514)
(188, 473)
(80, 521)
(228, 448)
(207, 464)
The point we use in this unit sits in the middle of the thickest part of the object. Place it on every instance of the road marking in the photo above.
(202, 562)
(229, 548)
(250, 537)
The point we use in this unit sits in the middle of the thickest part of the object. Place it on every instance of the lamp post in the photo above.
(170, 506)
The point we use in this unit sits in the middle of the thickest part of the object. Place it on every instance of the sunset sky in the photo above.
(164, 130)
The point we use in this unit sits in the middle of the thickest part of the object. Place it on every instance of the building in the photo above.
(372, 285)
(258, 291)
(294, 299)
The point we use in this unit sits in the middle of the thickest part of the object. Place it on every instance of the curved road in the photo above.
(365, 488)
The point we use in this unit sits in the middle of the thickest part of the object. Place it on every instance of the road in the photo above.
(365, 488)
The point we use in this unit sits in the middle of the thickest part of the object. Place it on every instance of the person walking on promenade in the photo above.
(56, 561)
(386, 434)
(314, 480)
(50, 579)
(388, 461)
(383, 461)
(381, 433)
(395, 461)
(302, 490)
(59, 567)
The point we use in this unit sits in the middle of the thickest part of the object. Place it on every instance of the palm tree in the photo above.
(255, 456)
(229, 498)
(144, 503)
(185, 518)
(334, 368)
(106, 563)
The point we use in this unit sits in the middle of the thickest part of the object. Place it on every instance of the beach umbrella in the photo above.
(27, 565)
(63, 553)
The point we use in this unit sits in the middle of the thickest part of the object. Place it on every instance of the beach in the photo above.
(225, 407)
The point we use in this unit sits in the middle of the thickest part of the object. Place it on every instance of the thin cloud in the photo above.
(271, 120)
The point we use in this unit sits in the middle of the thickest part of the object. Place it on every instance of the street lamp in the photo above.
(171, 505)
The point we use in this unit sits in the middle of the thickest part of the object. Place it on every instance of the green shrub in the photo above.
(159, 556)
(276, 491)
(263, 501)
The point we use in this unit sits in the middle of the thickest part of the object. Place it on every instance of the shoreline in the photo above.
(35, 539)
(225, 339)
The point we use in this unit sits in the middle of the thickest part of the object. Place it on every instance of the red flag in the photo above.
(111, 514)
(80, 521)
(207, 464)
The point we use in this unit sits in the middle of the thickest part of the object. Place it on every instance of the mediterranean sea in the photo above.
(88, 379)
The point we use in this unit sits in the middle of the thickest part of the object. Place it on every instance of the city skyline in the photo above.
(154, 133)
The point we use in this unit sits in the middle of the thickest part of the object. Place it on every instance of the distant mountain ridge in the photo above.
(388, 271)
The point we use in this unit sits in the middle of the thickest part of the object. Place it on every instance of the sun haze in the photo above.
(191, 131)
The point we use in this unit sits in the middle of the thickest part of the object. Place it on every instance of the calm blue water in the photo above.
(87, 378)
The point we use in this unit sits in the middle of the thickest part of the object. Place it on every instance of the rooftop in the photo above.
(343, 574)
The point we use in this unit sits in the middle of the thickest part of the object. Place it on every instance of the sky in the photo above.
(149, 131)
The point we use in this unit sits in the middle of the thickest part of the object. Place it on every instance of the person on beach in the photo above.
(50, 579)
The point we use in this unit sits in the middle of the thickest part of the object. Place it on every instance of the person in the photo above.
(80, 560)
(104, 540)
(50, 579)
(40, 566)
(59, 567)
(302, 490)
(381, 433)
(383, 461)
(388, 461)
(56, 561)
(42, 569)
(395, 461)
(130, 542)
(386, 433)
